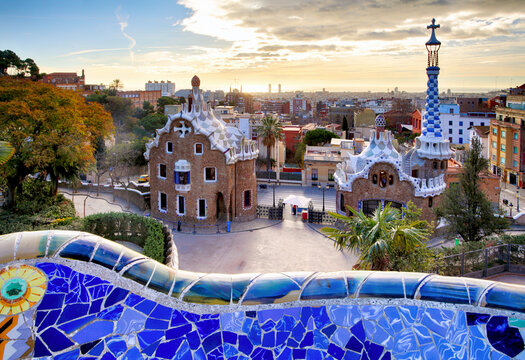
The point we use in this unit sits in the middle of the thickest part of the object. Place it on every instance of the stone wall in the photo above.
(67, 295)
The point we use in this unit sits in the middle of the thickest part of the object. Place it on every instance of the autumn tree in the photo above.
(53, 131)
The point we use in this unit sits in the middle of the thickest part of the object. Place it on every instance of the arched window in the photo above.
(342, 202)
(382, 179)
(390, 179)
(374, 179)
(430, 201)
(435, 165)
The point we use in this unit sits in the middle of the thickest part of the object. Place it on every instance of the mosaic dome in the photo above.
(380, 121)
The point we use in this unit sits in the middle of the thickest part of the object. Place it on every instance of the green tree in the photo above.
(465, 207)
(345, 126)
(116, 84)
(148, 124)
(270, 131)
(53, 131)
(379, 238)
(318, 137)
(163, 101)
(147, 109)
(10, 60)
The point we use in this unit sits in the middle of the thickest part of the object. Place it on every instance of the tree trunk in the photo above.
(54, 185)
(98, 184)
(268, 160)
(12, 185)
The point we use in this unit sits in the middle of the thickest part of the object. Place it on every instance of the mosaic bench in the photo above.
(70, 295)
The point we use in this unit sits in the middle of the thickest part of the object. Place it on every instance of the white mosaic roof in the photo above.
(227, 139)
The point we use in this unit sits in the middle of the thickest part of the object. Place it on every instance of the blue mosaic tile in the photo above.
(503, 337)
(271, 288)
(383, 284)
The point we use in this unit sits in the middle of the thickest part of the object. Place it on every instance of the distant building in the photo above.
(320, 162)
(507, 141)
(242, 102)
(279, 88)
(292, 137)
(337, 113)
(489, 183)
(138, 97)
(200, 169)
(365, 117)
(166, 88)
(269, 88)
(65, 80)
(456, 124)
(416, 122)
(467, 105)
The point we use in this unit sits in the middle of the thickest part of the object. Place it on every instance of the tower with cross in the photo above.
(432, 145)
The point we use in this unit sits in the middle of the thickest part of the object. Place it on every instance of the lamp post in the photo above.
(273, 187)
(517, 199)
(322, 188)
(510, 206)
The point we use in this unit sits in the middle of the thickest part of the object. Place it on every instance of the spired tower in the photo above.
(431, 146)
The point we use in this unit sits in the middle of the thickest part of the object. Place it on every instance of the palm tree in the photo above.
(379, 236)
(6, 151)
(271, 130)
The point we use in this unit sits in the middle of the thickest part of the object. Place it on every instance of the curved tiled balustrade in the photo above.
(68, 295)
(253, 289)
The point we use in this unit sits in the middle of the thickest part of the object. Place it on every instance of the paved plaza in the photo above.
(290, 245)
(265, 196)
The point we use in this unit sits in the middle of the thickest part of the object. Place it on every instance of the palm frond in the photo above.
(6, 151)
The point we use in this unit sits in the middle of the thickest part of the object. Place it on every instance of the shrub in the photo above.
(140, 230)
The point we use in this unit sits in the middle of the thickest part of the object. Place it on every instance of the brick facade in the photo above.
(399, 191)
(231, 181)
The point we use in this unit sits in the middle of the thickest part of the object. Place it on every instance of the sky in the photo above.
(308, 45)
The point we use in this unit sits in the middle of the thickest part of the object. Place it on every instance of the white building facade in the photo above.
(167, 88)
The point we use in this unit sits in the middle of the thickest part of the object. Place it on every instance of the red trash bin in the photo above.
(305, 215)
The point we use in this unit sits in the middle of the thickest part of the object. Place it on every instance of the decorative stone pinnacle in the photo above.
(195, 81)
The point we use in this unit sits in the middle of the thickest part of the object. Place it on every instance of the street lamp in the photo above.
(510, 206)
(517, 199)
(273, 187)
(322, 188)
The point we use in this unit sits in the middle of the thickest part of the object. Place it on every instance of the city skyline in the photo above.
(307, 46)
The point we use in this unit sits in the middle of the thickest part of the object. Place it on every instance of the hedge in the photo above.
(140, 230)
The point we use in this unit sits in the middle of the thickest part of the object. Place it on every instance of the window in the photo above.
(461, 140)
(461, 123)
(494, 131)
(342, 202)
(201, 210)
(210, 174)
(374, 179)
(493, 144)
(435, 165)
(182, 177)
(369, 206)
(330, 175)
(515, 150)
(181, 205)
(430, 201)
(450, 131)
(482, 123)
(514, 163)
(247, 199)
(450, 140)
(390, 179)
(494, 158)
(502, 160)
(162, 171)
(314, 175)
(163, 202)
(382, 179)
(198, 149)
(503, 134)
(515, 135)
(471, 124)
(169, 147)
(451, 111)
(460, 131)
(502, 148)
(450, 123)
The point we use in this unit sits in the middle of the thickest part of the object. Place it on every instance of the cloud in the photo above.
(123, 22)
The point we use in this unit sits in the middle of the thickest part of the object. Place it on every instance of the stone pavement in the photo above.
(511, 278)
(265, 196)
(290, 245)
